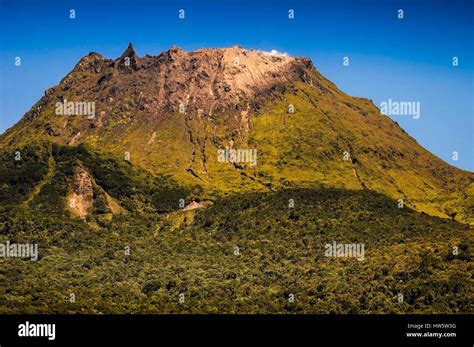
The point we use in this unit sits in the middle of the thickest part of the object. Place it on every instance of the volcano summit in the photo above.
(174, 112)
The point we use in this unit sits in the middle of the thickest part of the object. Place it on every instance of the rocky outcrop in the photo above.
(129, 60)
(81, 198)
(83, 194)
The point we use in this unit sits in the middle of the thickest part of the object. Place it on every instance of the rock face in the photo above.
(129, 60)
(82, 195)
(174, 113)
(193, 205)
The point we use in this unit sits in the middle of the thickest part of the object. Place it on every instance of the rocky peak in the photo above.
(129, 59)
(129, 52)
(207, 79)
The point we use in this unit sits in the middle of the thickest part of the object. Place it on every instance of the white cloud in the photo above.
(275, 53)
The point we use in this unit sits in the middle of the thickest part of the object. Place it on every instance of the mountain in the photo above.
(213, 181)
(172, 113)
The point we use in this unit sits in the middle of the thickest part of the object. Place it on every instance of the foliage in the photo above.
(281, 252)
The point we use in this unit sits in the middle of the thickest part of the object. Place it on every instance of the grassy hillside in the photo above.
(281, 252)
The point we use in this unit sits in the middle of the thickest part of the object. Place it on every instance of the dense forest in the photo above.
(262, 252)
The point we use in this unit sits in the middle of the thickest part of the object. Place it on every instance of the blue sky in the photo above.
(403, 60)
